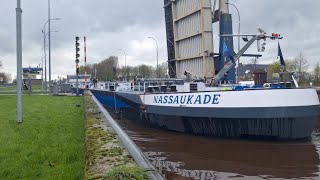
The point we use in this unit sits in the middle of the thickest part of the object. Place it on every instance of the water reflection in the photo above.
(182, 156)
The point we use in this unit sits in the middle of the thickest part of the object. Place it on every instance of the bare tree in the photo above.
(9, 77)
(275, 67)
(105, 70)
(301, 64)
(109, 70)
(4, 77)
(146, 71)
(163, 69)
(291, 65)
(135, 72)
(125, 72)
(316, 74)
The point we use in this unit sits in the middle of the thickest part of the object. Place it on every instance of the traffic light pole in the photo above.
(77, 64)
(85, 62)
(77, 86)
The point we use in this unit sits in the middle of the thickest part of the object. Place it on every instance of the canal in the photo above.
(184, 156)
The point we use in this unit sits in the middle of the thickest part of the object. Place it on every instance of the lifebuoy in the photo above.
(266, 85)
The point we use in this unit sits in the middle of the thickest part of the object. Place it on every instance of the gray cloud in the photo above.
(295, 20)
(111, 25)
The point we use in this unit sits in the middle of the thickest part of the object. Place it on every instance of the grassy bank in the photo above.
(14, 87)
(106, 157)
(48, 145)
(12, 90)
(8, 88)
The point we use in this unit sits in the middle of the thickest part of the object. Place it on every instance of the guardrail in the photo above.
(132, 148)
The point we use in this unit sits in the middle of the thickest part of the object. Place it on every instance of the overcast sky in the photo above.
(126, 24)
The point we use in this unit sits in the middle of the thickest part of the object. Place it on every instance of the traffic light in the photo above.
(275, 35)
(77, 49)
(77, 55)
(77, 69)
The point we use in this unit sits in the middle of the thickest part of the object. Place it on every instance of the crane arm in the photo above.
(230, 64)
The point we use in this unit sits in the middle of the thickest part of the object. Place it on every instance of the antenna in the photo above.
(261, 31)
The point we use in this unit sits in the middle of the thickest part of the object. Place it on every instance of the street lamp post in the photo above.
(44, 49)
(239, 25)
(45, 55)
(49, 47)
(41, 72)
(125, 62)
(158, 72)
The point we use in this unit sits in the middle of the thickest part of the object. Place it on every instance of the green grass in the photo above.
(127, 173)
(12, 90)
(50, 142)
(36, 88)
(23, 92)
(8, 88)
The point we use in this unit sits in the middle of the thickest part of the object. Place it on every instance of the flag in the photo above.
(280, 55)
(227, 52)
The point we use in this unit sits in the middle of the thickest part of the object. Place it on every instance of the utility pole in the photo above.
(50, 92)
(19, 61)
(45, 56)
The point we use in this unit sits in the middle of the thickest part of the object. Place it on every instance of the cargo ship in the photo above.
(211, 107)
(259, 113)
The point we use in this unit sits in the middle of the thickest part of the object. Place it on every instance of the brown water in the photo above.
(183, 156)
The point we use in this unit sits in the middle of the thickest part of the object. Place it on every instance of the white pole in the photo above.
(45, 57)
(125, 63)
(49, 48)
(158, 60)
(42, 73)
(44, 49)
(158, 72)
(19, 61)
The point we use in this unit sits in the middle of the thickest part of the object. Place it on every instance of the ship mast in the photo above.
(262, 36)
(225, 27)
(226, 36)
(224, 7)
